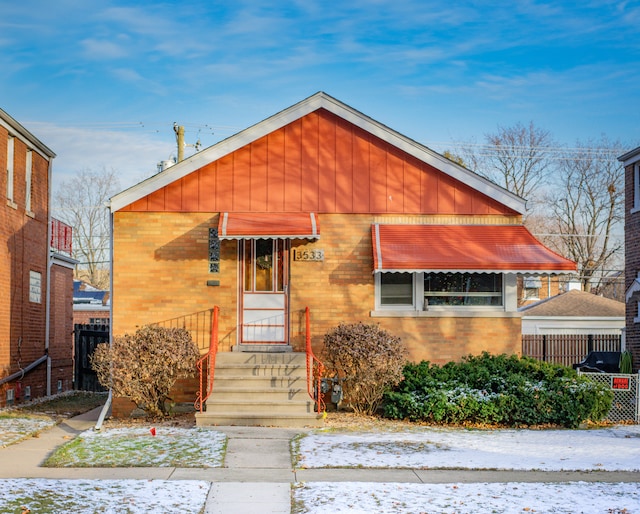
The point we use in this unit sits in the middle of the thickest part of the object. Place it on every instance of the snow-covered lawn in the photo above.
(15, 428)
(128, 447)
(104, 496)
(607, 449)
(507, 498)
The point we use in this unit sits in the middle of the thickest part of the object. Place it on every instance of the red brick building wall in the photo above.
(61, 328)
(85, 317)
(24, 248)
(632, 263)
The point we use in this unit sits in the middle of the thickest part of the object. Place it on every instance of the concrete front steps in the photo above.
(260, 389)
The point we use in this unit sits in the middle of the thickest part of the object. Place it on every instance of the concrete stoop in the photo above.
(260, 389)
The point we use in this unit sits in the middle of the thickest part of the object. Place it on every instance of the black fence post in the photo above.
(544, 348)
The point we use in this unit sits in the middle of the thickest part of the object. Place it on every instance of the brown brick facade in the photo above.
(161, 271)
(160, 261)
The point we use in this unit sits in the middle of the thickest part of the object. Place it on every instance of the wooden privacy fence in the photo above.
(568, 349)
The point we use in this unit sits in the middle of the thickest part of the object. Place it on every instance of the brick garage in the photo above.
(285, 216)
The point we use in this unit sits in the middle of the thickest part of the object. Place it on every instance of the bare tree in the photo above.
(517, 158)
(82, 203)
(588, 206)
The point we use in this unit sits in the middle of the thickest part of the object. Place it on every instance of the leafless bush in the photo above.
(367, 360)
(144, 366)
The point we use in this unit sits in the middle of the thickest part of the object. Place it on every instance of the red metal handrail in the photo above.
(208, 362)
(315, 368)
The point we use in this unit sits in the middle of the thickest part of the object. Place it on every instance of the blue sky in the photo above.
(101, 82)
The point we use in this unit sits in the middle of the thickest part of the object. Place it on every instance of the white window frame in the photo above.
(28, 173)
(395, 307)
(10, 159)
(35, 286)
(500, 307)
(531, 288)
(636, 188)
(509, 297)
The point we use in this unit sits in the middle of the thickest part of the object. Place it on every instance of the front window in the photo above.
(418, 291)
(463, 289)
(396, 289)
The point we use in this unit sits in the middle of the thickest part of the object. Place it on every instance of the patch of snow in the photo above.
(104, 496)
(14, 429)
(155, 447)
(398, 498)
(610, 449)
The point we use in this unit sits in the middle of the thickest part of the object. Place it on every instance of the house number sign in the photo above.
(308, 255)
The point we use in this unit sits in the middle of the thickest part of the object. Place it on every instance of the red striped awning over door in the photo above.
(287, 225)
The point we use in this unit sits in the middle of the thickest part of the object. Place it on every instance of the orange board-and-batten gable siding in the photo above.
(320, 163)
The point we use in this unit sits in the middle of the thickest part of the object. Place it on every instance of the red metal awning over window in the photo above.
(269, 225)
(482, 248)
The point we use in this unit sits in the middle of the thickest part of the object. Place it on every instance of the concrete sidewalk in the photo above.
(257, 472)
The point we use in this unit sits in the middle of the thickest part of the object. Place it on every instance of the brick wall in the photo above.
(161, 271)
(632, 265)
(84, 317)
(341, 289)
(23, 248)
(61, 328)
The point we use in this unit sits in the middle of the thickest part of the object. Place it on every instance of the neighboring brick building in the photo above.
(631, 163)
(36, 273)
(320, 206)
(90, 305)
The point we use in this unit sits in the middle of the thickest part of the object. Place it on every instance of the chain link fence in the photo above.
(626, 395)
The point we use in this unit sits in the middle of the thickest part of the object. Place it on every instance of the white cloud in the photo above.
(102, 49)
(134, 155)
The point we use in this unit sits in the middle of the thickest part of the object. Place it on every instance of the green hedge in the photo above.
(502, 390)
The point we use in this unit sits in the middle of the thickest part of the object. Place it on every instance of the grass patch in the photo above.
(64, 405)
(104, 496)
(15, 427)
(137, 447)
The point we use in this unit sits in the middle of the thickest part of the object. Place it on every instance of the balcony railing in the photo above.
(61, 235)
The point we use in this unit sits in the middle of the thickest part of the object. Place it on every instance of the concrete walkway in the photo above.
(258, 471)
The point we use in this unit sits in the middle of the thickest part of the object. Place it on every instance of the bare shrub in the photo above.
(144, 366)
(367, 360)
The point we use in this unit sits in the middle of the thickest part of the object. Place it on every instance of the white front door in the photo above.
(264, 299)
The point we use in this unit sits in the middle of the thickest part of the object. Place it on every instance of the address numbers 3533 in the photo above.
(308, 255)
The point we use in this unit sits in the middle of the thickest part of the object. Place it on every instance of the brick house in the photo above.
(90, 305)
(631, 163)
(322, 207)
(36, 273)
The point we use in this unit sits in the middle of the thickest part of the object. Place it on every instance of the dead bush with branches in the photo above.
(144, 366)
(366, 360)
